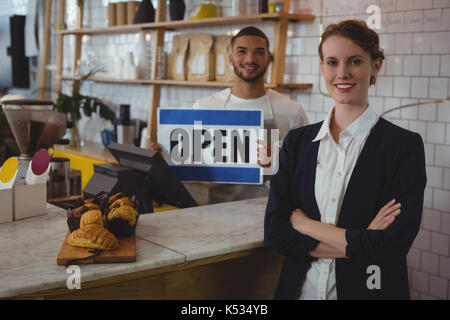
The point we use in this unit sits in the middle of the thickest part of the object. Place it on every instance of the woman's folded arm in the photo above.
(408, 188)
(323, 250)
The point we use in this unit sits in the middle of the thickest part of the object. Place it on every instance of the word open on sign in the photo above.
(216, 145)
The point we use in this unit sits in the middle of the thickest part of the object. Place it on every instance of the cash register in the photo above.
(140, 172)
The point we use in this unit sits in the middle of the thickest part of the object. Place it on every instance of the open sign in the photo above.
(212, 145)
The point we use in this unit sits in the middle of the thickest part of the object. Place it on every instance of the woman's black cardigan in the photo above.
(391, 165)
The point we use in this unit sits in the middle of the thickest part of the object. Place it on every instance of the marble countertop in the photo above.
(207, 231)
(29, 248)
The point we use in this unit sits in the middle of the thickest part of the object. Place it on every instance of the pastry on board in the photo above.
(98, 202)
(117, 214)
(74, 216)
(115, 197)
(93, 236)
(125, 201)
(77, 212)
(92, 217)
(122, 221)
(92, 206)
(127, 213)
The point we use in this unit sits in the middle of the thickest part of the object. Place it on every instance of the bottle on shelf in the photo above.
(271, 6)
(262, 6)
(145, 12)
(177, 8)
(112, 8)
(279, 6)
(238, 7)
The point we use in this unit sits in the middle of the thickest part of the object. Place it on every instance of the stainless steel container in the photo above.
(58, 183)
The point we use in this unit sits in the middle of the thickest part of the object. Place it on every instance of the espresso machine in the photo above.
(36, 126)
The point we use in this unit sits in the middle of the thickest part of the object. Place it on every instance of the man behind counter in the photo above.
(250, 59)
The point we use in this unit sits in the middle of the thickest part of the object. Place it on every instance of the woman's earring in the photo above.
(372, 80)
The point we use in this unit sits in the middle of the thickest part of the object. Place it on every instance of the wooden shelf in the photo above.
(294, 86)
(187, 83)
(158, 28)
(182, 24)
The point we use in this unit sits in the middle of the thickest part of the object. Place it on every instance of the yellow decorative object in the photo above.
(271, 6)
(9, 169)
(203, 11)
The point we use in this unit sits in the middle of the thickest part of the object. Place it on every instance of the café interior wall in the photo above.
(415, 35)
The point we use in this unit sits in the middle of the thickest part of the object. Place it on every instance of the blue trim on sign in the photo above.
(217, 174)
(211, 117)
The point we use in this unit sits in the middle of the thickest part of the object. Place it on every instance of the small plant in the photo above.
(73, 104)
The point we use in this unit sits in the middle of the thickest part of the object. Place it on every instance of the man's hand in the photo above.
(385, 216)
(264, 154)
(156, 146)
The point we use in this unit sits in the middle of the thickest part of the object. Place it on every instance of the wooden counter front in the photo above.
(244, 275)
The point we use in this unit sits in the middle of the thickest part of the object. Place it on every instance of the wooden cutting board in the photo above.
(126, 252)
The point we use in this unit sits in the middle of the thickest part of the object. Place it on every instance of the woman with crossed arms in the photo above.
(346, 202)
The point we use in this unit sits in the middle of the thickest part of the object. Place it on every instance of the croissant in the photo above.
(91, 217)
(125, 201)
(115, 197)
(74, 217)
(92, 206)
(93, 236)
(126, 213)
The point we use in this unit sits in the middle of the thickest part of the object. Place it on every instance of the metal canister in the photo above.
(58, 183)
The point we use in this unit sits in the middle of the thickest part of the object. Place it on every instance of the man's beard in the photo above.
(253, 78)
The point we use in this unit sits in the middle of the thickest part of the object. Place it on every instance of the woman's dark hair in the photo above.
(358, 32)
(250, 31)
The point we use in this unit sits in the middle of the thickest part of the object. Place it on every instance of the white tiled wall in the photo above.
(415, 35)
(10, 7)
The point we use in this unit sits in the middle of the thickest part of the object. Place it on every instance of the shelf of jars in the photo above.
(181, 24)
(168, 82)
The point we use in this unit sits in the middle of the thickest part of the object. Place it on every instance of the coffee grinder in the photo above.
(35, 126)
